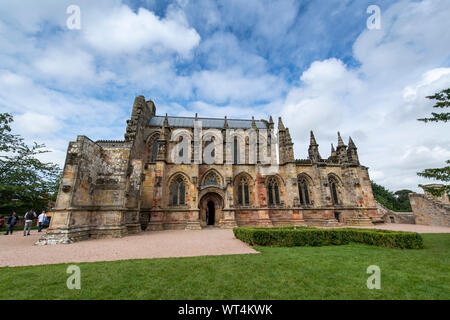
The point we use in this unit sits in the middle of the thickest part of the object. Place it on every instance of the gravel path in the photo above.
(17, 250)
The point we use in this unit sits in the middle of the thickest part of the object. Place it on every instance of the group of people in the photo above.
(29, 217)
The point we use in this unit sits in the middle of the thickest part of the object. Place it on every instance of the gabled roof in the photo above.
(188, 122)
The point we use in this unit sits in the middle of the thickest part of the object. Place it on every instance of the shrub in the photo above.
(308, 236)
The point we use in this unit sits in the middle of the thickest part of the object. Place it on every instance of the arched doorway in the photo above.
(210, 213)
(337, 216)
(211, 205)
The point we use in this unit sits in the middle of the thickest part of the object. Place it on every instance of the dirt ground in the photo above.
(17, 250)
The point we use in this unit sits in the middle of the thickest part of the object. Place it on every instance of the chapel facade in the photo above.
(174, 172)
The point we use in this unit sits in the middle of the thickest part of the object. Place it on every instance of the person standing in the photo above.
(11, 223)
(29, 216)
(41, 220)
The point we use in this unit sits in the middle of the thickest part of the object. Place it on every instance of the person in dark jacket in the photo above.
(11, 223)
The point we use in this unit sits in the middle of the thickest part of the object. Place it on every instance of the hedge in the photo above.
(309, 236)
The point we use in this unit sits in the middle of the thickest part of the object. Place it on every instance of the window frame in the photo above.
(243, 192)
(178, 192)
(334, 190)
(273, 192)
(303, 191)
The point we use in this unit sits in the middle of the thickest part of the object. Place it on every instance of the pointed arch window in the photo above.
(236, 155)
(153, 148)
(334, 190)
(243, 193)
(211, 179)
(179, 192)
(273, 191)
(303, 191)
(154, 151)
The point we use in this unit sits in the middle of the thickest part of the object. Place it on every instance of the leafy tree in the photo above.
(398, 201)
(25, 181)
(403, 203)
(442, 174)
(443, 101)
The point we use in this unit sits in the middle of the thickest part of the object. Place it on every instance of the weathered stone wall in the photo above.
(92, 202)
(429, 211)
(388, 216)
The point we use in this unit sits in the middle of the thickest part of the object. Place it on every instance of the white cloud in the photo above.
(33, 123)
(123, 31)
(55, 118)
(232, 85)
(223, 49)
(409, 42)
(325, 99)
(431, 81)
(378, 102)
(65, 79)
(70, 67)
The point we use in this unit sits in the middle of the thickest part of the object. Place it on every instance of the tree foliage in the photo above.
(25, 181)
(398, 201)
(441, 174)
(442, 101)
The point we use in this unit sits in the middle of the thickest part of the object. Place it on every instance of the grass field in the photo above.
(329, 272)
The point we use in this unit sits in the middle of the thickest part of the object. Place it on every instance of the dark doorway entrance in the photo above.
(210, 213)
(337, 216)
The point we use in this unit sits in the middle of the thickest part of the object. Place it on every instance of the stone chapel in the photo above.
(174, 172)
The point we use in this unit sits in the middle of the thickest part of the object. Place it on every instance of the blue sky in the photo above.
(314, 63)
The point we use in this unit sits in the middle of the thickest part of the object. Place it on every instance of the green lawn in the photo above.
(329, 272)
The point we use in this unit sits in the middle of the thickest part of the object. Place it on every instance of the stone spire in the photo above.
(280, 125)
(225, 123)
(271, 123)
(289, 147)
(340, 141)
(313, 150)
(341, 150)
(333, 155)
(352, 153)
(351, 144)
(253, 122)
(312, 139)
(288, 136)
(196, 117)
(162, 141)
(165, 128)
(285, 145)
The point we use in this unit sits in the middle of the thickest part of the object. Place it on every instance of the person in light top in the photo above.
(41, 220)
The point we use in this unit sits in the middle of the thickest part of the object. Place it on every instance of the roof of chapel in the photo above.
(188, 122)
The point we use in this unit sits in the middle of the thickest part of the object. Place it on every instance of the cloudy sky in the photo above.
(314, 63)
